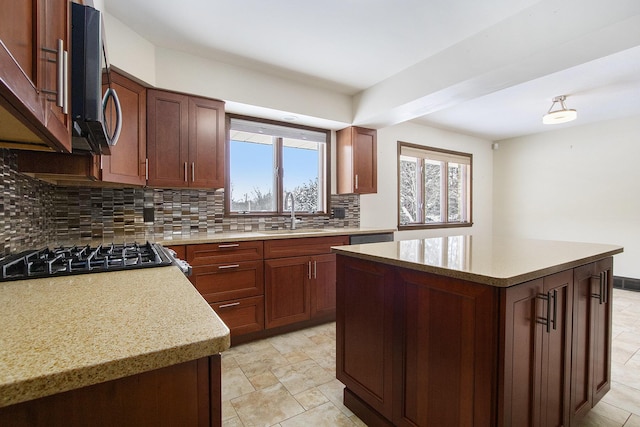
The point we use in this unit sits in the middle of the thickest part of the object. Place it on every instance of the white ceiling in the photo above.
(488, 68)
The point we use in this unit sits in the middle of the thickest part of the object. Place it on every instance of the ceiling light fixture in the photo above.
(561, 115)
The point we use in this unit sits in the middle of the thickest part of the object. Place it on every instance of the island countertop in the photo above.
(490, 260)
(63, 333)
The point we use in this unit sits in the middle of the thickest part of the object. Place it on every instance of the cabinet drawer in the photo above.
(180, 251)
(242, 315)
(221, 282)
(216, 253)
(301, 247)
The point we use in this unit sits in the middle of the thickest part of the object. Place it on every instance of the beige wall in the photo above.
(578, 184)
(381, 209)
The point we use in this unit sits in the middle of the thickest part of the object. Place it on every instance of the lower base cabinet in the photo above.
(592, 310)
(418, 349)
(187, 394)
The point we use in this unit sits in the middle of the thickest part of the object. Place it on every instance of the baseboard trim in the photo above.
(626, 283)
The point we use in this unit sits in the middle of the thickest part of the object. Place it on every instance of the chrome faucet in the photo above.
(293, 209)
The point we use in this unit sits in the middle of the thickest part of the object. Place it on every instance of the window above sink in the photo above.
(268, 160)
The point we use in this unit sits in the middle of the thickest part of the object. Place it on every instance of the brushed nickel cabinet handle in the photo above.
(193, 171)
(229, 245)
(356, 181)
(60, 84)
(185, 172)
(309, 271)
(599, 295)
(222, 267)
(315, 269)
(233, 304)
(146, 169)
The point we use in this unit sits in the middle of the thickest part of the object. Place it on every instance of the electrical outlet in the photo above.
(339, 213)
(148, 214)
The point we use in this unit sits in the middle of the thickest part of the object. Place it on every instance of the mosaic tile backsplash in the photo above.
(34, 213)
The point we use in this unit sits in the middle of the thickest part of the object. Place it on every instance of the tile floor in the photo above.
(289, 380)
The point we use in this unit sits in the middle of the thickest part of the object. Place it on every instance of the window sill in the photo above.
(434, 225)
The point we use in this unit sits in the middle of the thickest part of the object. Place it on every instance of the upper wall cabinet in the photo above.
(127, 162)
(186, 138)
(125, 165)
(34, 45)
(357, 161)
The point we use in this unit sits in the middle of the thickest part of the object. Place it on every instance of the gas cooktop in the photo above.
(67, 260)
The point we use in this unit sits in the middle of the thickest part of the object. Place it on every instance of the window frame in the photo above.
(444, 184)
(279, 188)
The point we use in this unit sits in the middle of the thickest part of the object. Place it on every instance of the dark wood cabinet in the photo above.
(323, 286)
(57, 28)
(591, 362)
(125, 165)
(418, 349)
(445, 334)
(364, 333)
(185, 140)
(127, 162)
(300, 279)
(29, 31)
(230, 277)
(184, 394)
(357, 160)
(287, 296)
(537, 343)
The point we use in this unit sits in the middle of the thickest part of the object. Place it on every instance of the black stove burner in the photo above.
(82, 259)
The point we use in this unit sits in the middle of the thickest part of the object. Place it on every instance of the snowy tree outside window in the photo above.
(434, 187)
(268, 160)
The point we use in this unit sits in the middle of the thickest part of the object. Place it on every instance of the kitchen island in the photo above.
(473, 330)
(116, 348)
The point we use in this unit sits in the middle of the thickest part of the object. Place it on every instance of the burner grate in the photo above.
(82, 259)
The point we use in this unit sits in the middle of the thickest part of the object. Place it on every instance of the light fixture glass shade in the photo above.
(561, 115)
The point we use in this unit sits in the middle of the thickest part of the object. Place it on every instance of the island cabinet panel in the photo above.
(537, 352)
(186, 394)
(364, 331)
(421, 349)
(591, 363)
(445, 351)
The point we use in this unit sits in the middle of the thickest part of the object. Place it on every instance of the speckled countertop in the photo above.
(490, 260)
(187, 239)
(68, 332)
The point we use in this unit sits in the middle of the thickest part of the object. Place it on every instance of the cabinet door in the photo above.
(447, 352)
(206, 143)
(522, 341)
(323, 286)
(287, 298)
(365, 178)
(126, 164)
(357, 160)
(167, 138)
(591, 347)
(601, 336)
(556, 349)
(18, 26)
(364, 330)
(56, 19)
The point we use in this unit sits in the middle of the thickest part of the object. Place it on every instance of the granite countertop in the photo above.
(68, 332)
(496, 261)
(196, 238)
